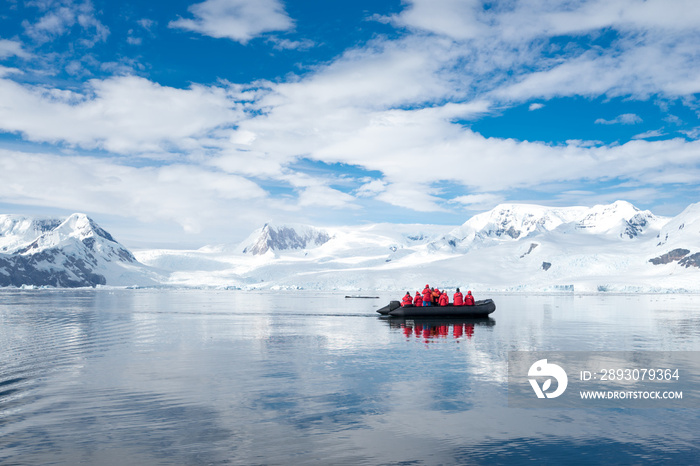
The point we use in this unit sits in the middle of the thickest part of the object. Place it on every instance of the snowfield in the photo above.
(514, 247)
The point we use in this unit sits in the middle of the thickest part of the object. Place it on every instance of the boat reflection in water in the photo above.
(430, 328)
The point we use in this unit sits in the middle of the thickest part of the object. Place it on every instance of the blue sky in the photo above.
(187, 123)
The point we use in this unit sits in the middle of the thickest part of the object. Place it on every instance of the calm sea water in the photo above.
(232, 377)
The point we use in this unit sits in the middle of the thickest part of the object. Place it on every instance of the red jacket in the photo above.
(469, 299)
(418, 300)
(458, 299)
(436, 296)
(406, 300)
(426, 294)
(444, 300)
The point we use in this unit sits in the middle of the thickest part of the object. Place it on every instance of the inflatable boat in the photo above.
(480, 309)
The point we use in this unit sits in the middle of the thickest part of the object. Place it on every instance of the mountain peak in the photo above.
(514, 221)
(78, 227)
(284, 237)
(511, 221)
(83, 226)
(619, 218)
(69, 252)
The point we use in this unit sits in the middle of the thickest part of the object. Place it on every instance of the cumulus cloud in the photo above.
(125, 115)
(535, 106)
(370, 189)
(239, 20)
(187, 195)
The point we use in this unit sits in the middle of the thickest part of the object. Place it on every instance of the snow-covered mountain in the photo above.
(512, 247)
(679, 239)
(69, 252)
(515, 222)
(620, 219)
(16, 231)
(284, 237)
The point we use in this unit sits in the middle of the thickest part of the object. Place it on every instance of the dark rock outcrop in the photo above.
(671, 256)
(691, 261)
(532, 247)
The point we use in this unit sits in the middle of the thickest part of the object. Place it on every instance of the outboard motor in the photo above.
(390, 307)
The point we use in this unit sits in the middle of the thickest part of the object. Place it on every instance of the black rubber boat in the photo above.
(480, 309)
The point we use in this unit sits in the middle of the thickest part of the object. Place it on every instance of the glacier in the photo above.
(511, 248)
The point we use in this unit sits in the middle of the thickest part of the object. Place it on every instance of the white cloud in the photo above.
(478, 201)
(61, 16)
(469, 19)
(411, 196)
(239, 20)
(187, 195)
(12, 48)
(692, 133)
(146, 23)
(624, 119)
(656, 66)
(6, 72)
(371, 188)
(508, 45)
(458, 19)
(126, 115)
(313, 196)
(287, 44)
(247, 163)
(655, 133)
(396, 107)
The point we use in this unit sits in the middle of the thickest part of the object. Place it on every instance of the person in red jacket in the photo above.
(418, 300)
(458, 299)
(427, 295)
(435, 297)
(443, 300)
(406, 299)
(469, 299)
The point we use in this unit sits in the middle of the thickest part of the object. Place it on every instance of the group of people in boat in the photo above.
(435, 297)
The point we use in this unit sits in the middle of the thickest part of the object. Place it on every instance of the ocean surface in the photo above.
(195, 377)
